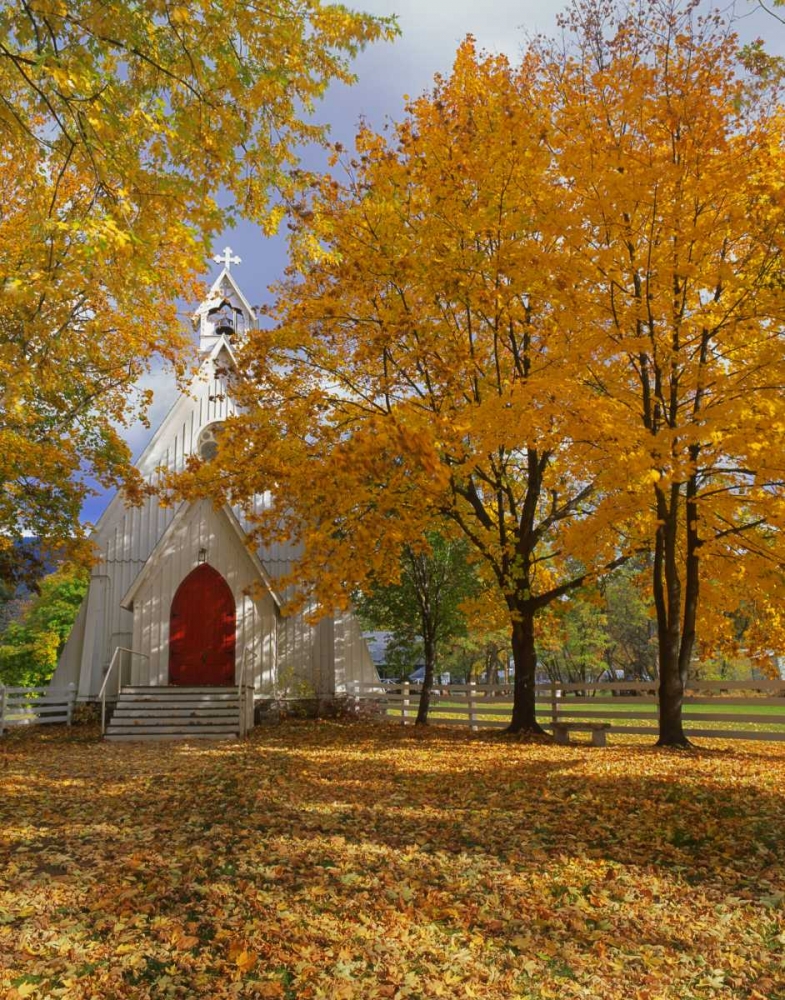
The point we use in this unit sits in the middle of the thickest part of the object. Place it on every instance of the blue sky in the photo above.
(431, 32)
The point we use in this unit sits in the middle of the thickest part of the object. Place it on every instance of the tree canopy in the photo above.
(31, 645)
(547, 306)
(424, 608)
(132, 134)
(672, 221)
(421, 369)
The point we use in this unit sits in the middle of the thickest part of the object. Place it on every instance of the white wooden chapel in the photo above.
(180, 588)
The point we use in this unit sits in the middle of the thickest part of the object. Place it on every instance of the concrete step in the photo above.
(154, 713)
(141, 729)
(186, 711)
(175, 720)
(137, 737)
(176, 696)
(177, 703)
(178, 689)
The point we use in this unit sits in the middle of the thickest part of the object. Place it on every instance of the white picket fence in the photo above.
(750, 710)
(35, 706)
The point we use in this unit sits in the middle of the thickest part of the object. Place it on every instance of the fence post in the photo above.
(554, 703)
(356, 685)
(473, 705)
(71, 702)
(405, 703)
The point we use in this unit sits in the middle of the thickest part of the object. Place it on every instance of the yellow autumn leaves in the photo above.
(546, 313)
(119, 124)
(323, 860)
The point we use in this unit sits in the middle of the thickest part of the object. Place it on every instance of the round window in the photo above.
(207, 443)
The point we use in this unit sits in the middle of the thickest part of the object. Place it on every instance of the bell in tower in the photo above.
(226, 320)
(225, 313)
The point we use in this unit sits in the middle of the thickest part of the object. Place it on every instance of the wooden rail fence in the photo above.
(37, 706)
(744, 710)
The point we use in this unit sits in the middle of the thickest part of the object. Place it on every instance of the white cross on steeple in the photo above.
(227, 259)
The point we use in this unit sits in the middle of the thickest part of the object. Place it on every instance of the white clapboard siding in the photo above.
(296, 639)
(201, 527)
(353, 663)
(125, 536)
(279, 556)
(321, 658)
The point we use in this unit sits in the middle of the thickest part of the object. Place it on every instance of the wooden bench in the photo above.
(561, 731)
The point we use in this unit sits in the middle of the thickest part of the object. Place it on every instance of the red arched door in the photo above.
(202, 630)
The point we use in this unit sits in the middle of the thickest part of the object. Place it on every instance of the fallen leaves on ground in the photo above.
(360, 861)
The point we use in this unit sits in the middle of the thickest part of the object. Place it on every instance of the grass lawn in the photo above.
(775, 714)
(353, 860)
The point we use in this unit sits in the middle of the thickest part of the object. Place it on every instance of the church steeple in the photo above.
(226, 311)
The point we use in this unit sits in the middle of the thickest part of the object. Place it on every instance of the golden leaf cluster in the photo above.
(546, 306)
(120, 124)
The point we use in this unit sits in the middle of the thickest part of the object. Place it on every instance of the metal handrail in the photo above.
(102, 692)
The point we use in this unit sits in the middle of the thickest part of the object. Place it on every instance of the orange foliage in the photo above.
(547, 307)
(673, 229)
(422, 367)
(120, 123)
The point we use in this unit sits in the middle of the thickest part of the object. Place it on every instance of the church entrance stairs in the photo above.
(175, 713)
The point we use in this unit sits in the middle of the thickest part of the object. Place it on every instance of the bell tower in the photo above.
(225, 312)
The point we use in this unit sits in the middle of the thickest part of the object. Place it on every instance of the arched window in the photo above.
(207, 442)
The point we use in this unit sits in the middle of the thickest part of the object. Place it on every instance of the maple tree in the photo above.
(479, 655)
(132, 134)
(22, 566)
(632, 646)
(673, 225)
(548, 308)
(419, 370)
(485, 649)
(573, 645)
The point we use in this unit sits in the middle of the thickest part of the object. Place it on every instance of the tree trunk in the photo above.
(524, 654)
(680, 652)
(667, 599)
(429, 646)
(492, 661)
(671, 697)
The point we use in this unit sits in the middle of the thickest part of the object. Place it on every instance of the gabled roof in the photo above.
(222, 344)
(158, 554)
(215, 296)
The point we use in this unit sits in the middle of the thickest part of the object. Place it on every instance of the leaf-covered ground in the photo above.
(338, 860)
